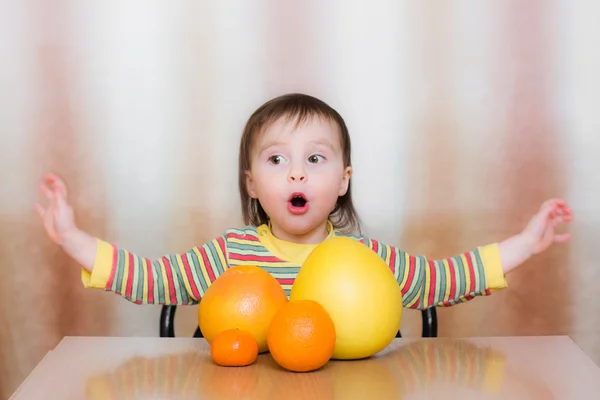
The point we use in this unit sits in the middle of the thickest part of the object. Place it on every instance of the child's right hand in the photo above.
(58, 217)
(59, 222)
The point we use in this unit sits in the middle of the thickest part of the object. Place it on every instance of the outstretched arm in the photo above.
(171, 279)
(427, 283)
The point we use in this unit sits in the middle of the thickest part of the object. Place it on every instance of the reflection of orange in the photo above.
(404, 369)
(301, 336)
(234, 348)
(282, 384)
(177, 376)
(229, 383)
(244, 297)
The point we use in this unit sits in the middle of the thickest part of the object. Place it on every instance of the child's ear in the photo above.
(250, 185)
(345, 181)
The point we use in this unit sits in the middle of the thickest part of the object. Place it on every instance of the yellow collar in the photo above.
(294, 253)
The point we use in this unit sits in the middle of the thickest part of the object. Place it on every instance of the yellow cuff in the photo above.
(98, 278)
(492, 265)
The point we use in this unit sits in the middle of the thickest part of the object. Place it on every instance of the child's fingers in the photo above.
(553, 203)
(563, 212)
(560, 214)
(562, 238)
(60, 186)
(558, 220)
(55, 183)
(554, 208)
(51, 178)
(46, 191)
(545, 214)
(39, 210)
(61, 203)
(567, 218)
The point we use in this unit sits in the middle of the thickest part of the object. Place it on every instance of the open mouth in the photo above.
(298, 204)
(298, 201)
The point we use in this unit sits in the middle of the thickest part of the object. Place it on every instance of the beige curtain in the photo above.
(464, 117)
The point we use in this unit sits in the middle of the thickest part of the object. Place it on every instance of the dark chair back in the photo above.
(167, 323)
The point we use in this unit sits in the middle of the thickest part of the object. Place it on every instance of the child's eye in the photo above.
(276, 160)
(315, 158)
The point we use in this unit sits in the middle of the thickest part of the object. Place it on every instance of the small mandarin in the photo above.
(234, 348)
(301, 336)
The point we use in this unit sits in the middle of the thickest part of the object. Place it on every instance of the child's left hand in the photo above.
(540, 232)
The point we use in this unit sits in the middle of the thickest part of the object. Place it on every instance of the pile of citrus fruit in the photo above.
(345, 304)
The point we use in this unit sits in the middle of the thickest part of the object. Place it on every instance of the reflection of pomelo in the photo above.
(244, 297)
(362, 378)
(358, 290)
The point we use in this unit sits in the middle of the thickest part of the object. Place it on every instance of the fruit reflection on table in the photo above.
(405, 368)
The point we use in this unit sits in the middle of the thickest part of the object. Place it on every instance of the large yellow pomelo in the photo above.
(358, 290)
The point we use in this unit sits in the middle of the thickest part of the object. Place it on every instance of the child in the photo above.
(294, 183)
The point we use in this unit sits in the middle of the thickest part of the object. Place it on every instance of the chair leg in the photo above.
(430, 325)
(167, 321)
(430, 328)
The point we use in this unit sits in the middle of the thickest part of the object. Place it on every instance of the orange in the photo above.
(244, 297)
(301, 336)
(234, 348)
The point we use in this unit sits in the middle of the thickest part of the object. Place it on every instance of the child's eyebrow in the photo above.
(269, 145)
(325, 143)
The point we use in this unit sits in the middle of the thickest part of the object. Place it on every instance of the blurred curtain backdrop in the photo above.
(464, 116)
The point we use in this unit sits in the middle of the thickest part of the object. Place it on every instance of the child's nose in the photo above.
(297, 175)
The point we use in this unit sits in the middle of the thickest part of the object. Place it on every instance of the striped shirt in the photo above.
(184, 278)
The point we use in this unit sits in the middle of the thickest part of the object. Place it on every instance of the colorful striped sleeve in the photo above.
(427, 283)
(174, 279)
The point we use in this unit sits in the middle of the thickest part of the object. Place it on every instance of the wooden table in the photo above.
(160, 368)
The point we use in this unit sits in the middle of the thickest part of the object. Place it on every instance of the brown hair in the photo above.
(300, 107)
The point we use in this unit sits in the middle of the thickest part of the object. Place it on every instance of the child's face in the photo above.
(306, 162)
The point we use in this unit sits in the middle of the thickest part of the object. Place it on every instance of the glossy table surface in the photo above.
(550, 367)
